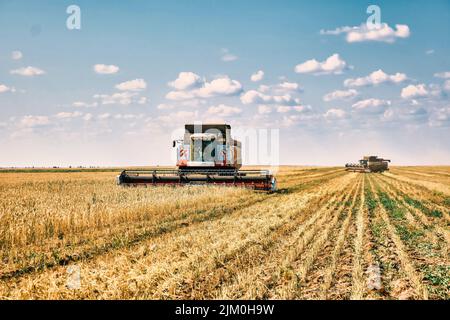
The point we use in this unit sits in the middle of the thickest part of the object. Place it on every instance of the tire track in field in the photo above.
(213, 277)
(339, 278)
(323, 265)
(359, 281)
(414, 277)
(256, 279)
(299, 264)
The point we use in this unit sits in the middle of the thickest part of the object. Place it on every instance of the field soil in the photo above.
(325, 234)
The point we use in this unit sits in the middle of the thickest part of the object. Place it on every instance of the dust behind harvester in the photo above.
(369, 164)
(207, 154)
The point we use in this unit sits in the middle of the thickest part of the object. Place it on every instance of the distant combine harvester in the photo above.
(369, 164)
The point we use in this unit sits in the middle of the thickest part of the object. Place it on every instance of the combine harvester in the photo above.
(369, 164)
(206, 155)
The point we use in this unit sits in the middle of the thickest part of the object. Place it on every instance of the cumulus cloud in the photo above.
(68, 115)
(340, 94)
(288, 86)
(178, 117)
(33, 121)
(447, 85)
(414, 91)
(375, 78)
(384, 33)
(186, 81)
(105, 69)
(333, 114)
(256, 97)
(132, 85)
(227, 56)
(104, 116)
(443, 75)
(28, 71)
(81, 104)
(371, 105)
(164, 106)
(257, 76)
(122, 98)
(264, 109)
(440, 117)
(332, 65)
(4, 88)
(16, 55)
(224, 110)
(223, 86)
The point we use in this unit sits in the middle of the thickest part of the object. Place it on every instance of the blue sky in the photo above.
(107, 95)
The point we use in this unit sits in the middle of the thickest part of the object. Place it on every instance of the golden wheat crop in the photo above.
(325, 234)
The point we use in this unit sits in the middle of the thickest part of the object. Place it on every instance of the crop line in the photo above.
(300, 275)
(414, 278)
(419, 215)
(331, 269)
(267, 242)
(405, 188)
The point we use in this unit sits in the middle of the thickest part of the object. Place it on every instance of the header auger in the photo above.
(206, 154)
(369, 164)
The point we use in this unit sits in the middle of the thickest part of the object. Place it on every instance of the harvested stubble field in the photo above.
(326, 234)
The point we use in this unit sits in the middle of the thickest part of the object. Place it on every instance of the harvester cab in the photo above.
(369, 164)
(207, 154)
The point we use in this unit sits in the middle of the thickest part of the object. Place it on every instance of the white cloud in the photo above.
(283, 109)
(288, 86)
(340, 94)
(105, 69)
(440, 117)
(4, 88)
(178, 117)
(164, 106)
(218, 87)
(375, 78)
(68, 115)
(122, 98)
(81, 104)
(16, 55)
(34, 121)
(28, 71)
(371, 105)
(132, 85)
(414, 91)
(332, 65)
(186, 81)
(362, 33)
(253, 96)
(447, 85)
(88, 117)
(224, 110)
(430, 51)
(335, 114)
(264, 109)
(227, 56)
(258, 76)
(444, 75)
(142, 100)
(104, 116)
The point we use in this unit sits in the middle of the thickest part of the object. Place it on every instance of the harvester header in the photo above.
(206, 154)
(369, 164)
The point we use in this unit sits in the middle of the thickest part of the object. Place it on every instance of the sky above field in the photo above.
(114, 92)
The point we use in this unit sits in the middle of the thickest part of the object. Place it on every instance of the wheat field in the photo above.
(325, 234)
